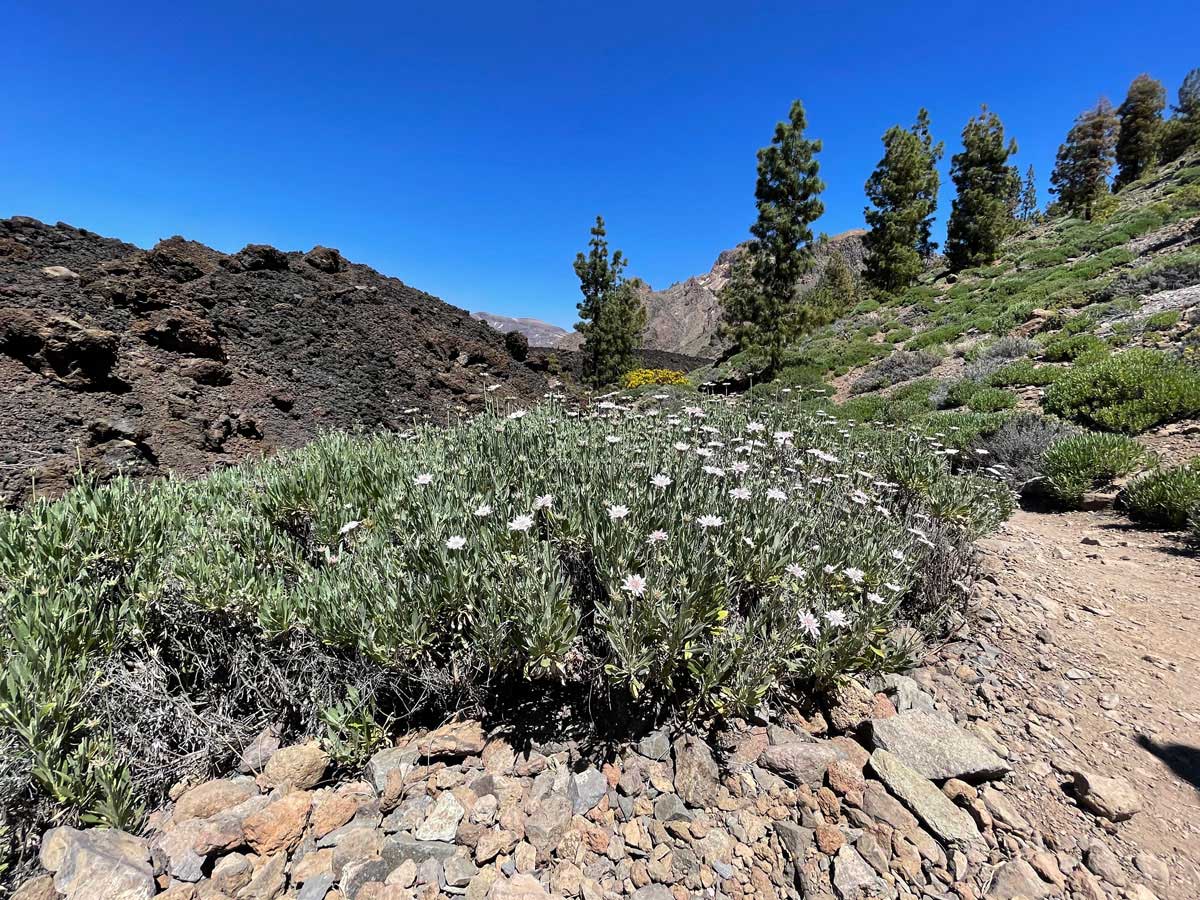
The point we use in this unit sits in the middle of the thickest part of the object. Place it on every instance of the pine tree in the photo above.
(903, 189)
(929, 194)
(1182, 130)
(1141, 124)
(1189, 96)
(611, 313)
(1084, 161)
(834, 294)
(1027, 206)
(762, 309)
(987, 188)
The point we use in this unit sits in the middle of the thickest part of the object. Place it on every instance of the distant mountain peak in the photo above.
(539, 333)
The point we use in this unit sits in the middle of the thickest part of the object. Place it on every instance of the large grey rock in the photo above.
(1110, 797)
(947, 822)
(1016, 879)
(547, 823)
(905, 693)
(98, 864)
(317, 887)
(585, 790)
(399, 848)
(442, 822)
(360, 872)
(398, 759)
(796, 839)
(936, 748)
(656, 745)
(800, 762)
(853, 879)
(696, 772)
(653, 892)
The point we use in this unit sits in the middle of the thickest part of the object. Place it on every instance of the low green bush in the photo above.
(1075, 465)
(991, 399)
(646, 561)
(1163, 497)
(1025, 373)
(1065, 349)
(1127, 392)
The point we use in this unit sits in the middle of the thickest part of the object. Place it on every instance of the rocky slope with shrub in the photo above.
(1071, 362)
(181, 358)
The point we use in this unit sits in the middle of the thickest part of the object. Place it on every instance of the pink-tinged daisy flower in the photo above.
(423, 479)
(855, 575)
(656, 537)
(776, 494)
(635, 584)
(739, 493)
(544, 502)
(796, 571)
(808, 623)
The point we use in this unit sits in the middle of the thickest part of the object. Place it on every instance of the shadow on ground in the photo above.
(1181, 759)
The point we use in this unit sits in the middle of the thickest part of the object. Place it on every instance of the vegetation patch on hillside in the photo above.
(702, 559)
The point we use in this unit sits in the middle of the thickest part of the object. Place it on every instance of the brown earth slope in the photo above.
(182, 358)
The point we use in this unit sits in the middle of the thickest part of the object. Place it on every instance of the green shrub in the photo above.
(1024, 373)
(1065, 349)
(696, 560)
(1163, 497)
(1163, 320)
(1075, 465)
(991, 399)
(1127, 392)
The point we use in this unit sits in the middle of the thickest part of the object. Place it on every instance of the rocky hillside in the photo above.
(182, 358)
(539, 333)
(685, 317)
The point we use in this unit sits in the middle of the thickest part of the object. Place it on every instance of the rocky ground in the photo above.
(181, 358)
(1049, 750)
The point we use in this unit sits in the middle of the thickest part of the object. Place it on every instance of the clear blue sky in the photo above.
(465, 147)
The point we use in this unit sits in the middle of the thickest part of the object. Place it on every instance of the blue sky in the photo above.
(466, 147)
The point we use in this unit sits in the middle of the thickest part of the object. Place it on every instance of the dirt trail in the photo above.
(1100, 620)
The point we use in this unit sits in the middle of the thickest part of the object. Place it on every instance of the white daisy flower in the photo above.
(836, 618)
(656, 537)
(617, 511)
(456, 542)
(423, 479)
(660, 481)
(635, 584)
(521, 523)
(483, 511)
(808, 623)
(709, 521)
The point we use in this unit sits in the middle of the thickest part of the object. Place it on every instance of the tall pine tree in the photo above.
(611, 313)
(933, 181)
(987, 188)
(1084, 161)
(1141, 125)
(1182, 131)
(1027, 205)
(903, 190)
(762, 308)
